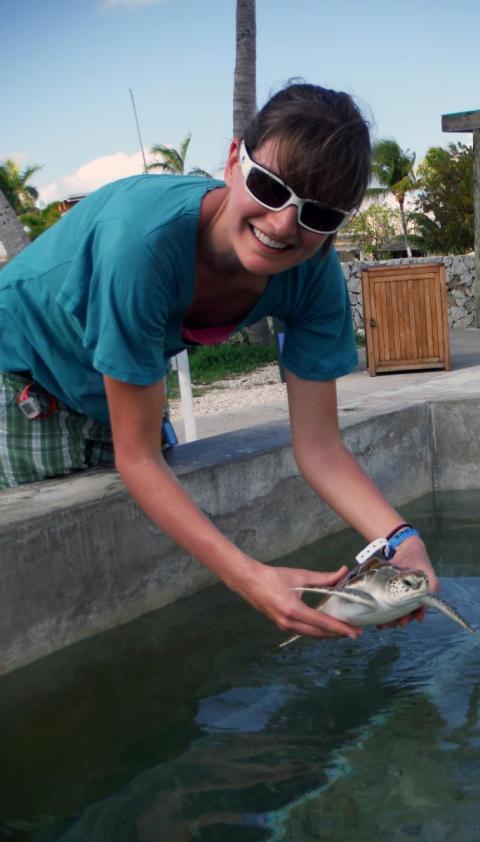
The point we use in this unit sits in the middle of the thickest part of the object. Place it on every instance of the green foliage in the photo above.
(444, 207)
(37, 221)
(393, 168)
(217, 362)
(373, 228)
(173, 160)
(13, 184)
(209, 363)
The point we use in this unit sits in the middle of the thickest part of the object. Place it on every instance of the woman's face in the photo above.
(265, 242)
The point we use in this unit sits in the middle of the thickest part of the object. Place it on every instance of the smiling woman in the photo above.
(91, 312)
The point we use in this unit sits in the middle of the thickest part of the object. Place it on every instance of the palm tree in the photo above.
(13, 183)
(174, 161)
(16, 196)
(12, 233)
(244, 80)
(245, 106)
(393, 169)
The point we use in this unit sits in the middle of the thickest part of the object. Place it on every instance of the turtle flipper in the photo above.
(289, 640)
(325, 592)
(350, 594)
(432, 601)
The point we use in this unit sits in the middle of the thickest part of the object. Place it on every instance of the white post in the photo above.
(185, 383)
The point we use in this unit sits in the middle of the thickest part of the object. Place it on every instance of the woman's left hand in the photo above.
(412, 555)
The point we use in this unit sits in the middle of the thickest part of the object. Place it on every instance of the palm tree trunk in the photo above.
(404, 227)
(12, 233)
(245, 107)
(245, 79)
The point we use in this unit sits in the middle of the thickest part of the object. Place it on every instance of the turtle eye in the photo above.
(410, 583)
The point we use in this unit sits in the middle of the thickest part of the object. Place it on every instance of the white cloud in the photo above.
(91, 175)
(21, 158)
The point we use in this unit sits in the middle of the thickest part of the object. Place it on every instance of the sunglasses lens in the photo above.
(266, 189)
(321, 218)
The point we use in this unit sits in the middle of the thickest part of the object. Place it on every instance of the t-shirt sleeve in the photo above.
(121, 295)
(319, 339)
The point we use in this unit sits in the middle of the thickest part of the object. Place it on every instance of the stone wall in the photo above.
(460, 276)
(13, 236)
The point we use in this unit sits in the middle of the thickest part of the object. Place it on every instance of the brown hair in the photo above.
(322, 143)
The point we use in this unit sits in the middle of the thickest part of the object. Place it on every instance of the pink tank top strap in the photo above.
(208, 335)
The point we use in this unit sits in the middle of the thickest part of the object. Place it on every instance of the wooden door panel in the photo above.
(406, 318)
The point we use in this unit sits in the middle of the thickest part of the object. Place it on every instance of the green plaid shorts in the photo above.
(41, 448)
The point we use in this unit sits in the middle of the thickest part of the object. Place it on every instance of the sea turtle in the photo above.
(378, 592)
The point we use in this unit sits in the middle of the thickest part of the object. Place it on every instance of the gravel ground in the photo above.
(260, 387)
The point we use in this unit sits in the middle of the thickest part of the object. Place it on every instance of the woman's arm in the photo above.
(335, 474)
(136, 417)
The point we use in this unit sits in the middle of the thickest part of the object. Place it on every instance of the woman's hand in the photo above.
(269, 590)
(412, 555)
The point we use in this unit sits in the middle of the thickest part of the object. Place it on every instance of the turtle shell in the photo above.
(361, 572)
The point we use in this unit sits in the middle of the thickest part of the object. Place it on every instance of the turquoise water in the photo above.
(190, 724)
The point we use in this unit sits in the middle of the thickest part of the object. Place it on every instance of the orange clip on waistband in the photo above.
(25, 396)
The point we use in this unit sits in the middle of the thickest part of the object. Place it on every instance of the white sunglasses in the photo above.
(272, 193)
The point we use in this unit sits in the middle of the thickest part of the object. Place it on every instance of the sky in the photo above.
(67, 67)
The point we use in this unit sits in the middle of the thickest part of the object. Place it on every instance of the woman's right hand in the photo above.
(270, 590)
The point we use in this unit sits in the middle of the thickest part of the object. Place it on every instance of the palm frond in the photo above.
(390, 163)
(174, 161)
(171, 156)
(184, 146)
(376, 191)
(29, 171)
(13, 181)
(161, 165)
(160, 149)
(199, 171)
(32, 191)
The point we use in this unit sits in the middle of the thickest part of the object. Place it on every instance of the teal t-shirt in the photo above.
(105, 291)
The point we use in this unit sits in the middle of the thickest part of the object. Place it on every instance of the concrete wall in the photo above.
(78, 556)
(456, 443)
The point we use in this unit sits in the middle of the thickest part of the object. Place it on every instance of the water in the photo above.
(190, 724)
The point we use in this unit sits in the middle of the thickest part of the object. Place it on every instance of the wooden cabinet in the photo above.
(405, 313)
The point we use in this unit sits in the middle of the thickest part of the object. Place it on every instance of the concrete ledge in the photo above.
(78, 556)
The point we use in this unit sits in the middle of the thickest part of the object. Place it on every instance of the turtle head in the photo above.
(409, 584)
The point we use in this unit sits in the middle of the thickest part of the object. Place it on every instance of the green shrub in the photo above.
(209, 363)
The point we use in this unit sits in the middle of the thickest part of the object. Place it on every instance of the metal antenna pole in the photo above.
(138, 130)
